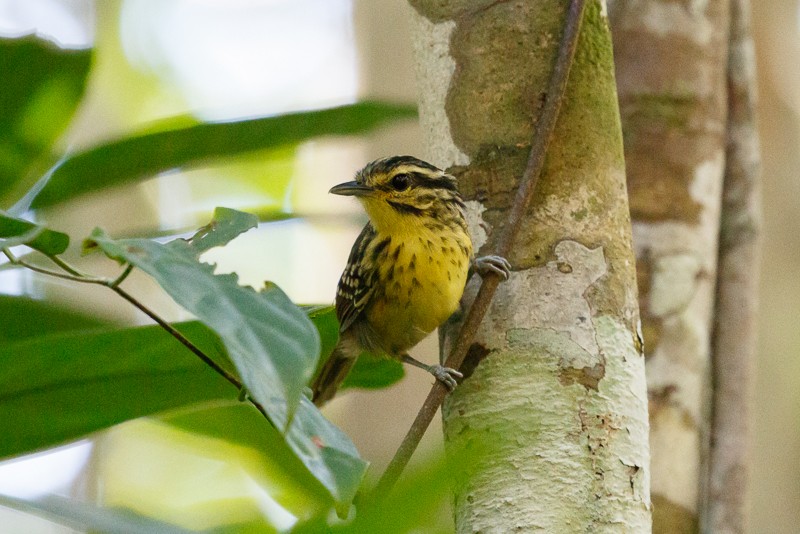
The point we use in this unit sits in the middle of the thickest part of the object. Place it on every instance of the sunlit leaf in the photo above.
(36, 103)
(241, 424)
(14, 231)
(145, 155)
(88, 517)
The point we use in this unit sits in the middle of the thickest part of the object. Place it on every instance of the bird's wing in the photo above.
(357, 282)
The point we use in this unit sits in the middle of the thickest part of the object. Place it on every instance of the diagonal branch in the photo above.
(541, 138)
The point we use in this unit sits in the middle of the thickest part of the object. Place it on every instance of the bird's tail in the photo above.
(331, 376)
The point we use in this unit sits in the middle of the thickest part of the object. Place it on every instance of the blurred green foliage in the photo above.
(65, 375)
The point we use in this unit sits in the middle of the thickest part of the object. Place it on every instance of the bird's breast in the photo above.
(421, 280)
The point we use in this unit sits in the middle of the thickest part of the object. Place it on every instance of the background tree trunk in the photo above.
(684, 133)
(734, 341)
(556, 375)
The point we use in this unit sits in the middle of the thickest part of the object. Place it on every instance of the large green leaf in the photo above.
(14, 231)
(63, 386)
(145, 155)
(88, 517)
(42, 85)
(24, 317)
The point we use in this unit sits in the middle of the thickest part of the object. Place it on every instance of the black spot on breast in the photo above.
(396, 252)
(380, 248)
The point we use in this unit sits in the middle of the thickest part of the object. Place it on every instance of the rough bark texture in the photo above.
(556, 385)
(737, 291)
(671, 60)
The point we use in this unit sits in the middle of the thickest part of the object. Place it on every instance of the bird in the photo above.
(406, 271)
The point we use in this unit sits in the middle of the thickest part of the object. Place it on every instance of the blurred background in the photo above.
(155, 60)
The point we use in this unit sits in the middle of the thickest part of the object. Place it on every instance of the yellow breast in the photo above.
(420, 284)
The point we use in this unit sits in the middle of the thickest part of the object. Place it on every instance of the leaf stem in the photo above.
(41, 270)
(541, 138)
(67, 267)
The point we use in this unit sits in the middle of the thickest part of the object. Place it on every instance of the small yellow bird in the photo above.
(406, 271)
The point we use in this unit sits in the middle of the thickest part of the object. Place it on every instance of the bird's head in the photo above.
(402, 190)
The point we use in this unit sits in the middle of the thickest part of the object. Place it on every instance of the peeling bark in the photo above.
(556, 387)
(671, 60)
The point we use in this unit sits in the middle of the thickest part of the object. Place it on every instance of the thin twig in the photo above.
(41, 270)
(67, 267)
(541, 138)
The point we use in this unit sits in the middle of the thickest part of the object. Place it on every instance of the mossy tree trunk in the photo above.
(555, 378)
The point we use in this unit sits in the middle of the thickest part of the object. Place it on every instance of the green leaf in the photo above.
(327, 452)
(272, 343)
(369, 372)
(324, 318)
(374, 372)
(25, 317)
(226, 225)
(14, 231)
(88, 517)
(414, 505)
(63, 386)
(147, 154)
(270, 340)
(36, 103)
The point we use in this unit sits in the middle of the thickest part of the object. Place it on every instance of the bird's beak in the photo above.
(352, 189)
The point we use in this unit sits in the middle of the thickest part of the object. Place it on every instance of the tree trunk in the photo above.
(671, 60)
(555, 381)
(734, 342)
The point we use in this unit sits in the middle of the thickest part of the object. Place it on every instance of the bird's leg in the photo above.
(445, 375)
(491, 264)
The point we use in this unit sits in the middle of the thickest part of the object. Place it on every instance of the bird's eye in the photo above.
(400, 182)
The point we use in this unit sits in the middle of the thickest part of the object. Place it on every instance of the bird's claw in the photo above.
(492, 264)
(446, 376)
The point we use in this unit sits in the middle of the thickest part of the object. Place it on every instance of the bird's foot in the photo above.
(492, 264)
(445, 375)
